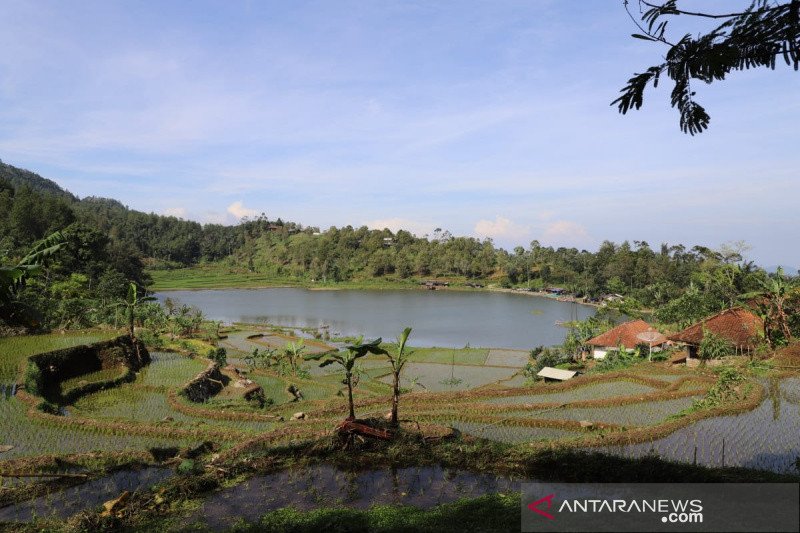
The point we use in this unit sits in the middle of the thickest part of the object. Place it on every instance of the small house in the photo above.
(628, 335)
(738, 326)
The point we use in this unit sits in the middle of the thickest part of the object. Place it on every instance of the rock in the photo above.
(586, 424)
(299, 416)
(114, 506)
(6, 447)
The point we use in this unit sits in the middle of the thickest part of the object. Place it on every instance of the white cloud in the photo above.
(502, 228)
(215, 217)
(416, 227)
(565, 232)
(238, 210)
(179, 212)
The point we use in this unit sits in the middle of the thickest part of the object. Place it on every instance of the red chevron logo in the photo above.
(535, 506)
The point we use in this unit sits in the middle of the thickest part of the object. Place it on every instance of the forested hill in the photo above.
(108, 237)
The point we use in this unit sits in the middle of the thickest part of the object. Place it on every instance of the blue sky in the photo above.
(486, 118)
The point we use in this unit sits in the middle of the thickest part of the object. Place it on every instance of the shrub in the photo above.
(218, 355)
(714, 347)
(542, 357)
(33, 379)
(617, 359)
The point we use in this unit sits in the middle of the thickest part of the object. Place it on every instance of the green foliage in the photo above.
(14, 278)
(347, 359)
(398, 360)
(218, 355)
(33, 380)
(496, 512)
(618, 359)
(713, 346)
(724, 390)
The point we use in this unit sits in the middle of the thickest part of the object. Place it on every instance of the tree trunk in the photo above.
(349, 376)
(395, 397)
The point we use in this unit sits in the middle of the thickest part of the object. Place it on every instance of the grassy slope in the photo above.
(216, 276)
(13, 350)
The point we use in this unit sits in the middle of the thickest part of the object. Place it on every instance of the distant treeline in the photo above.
(109, 240)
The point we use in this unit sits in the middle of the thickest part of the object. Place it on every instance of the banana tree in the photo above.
(398, 360)
(293, 351)
(13, 278)
(132, 303)
(347, 359)
(770, 302)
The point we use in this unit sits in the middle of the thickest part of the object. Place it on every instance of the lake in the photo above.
(449, 319)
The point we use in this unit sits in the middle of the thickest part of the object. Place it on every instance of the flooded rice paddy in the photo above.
(323, 485)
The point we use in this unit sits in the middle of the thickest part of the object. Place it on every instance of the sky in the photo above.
(485, 118)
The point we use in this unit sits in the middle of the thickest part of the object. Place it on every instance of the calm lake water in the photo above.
(449, 319)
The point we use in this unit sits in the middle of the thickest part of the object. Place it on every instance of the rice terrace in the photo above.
(399, 266)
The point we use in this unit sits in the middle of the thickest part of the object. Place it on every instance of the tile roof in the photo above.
(739, 326)
(627, 335)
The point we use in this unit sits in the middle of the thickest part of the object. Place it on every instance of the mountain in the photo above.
(19, 177)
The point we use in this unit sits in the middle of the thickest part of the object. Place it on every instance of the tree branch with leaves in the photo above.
(753, 38)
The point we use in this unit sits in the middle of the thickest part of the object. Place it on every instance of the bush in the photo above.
(620, 358)
(33, 379)
(714, 347)
(542, 357)
(151, 339)
(219, 356)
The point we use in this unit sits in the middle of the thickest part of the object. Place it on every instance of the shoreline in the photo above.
(386, 286)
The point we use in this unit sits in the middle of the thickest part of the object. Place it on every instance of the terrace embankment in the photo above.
(47, 371)
(206, 384)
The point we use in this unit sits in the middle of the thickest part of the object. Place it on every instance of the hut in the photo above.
(738, 326)
(628, 335)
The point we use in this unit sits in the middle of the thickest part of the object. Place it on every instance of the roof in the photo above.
(627, 335)
(556, 373)
(739, 326)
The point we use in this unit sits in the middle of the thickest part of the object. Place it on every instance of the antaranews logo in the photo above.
(669, 507)
(680, 511)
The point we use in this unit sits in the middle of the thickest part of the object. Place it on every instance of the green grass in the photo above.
(220, 276)
(106, 374)
(434, 376)
(127, 403)
(512, 434)
(639, 414)
(169, 370)
(462, 356)
(274, 387)
(14, 350)
(33, 438)
(592, 391)
(217, 276)
(489, 513)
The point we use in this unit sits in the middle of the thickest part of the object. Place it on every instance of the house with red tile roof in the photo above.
(743, 329)
(628, 335)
